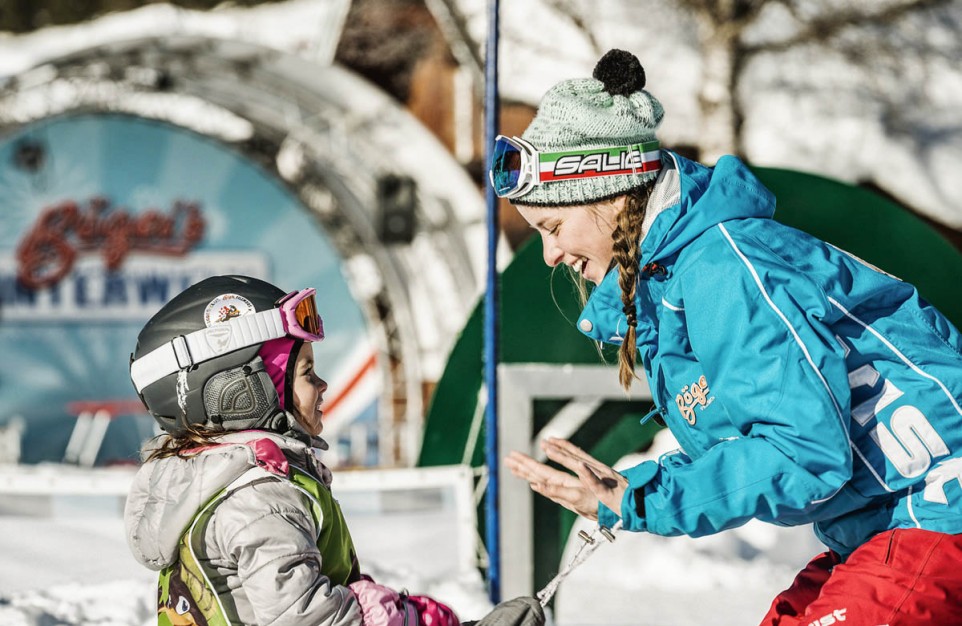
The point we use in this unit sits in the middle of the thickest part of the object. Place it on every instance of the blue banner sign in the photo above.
(105, 217)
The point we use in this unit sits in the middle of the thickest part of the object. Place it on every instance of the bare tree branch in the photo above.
(746, 11)
(826, 26)
(732, 16)
(455, 28)
(566, 9)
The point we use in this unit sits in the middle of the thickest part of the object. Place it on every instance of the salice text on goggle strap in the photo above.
(603, 162)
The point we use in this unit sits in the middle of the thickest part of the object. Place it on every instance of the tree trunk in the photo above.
(716, 98)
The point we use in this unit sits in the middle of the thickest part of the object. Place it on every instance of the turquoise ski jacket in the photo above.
(803, 384)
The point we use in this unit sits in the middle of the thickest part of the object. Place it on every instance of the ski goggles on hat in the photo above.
(517, 166)
(299, 315)
(295, 315)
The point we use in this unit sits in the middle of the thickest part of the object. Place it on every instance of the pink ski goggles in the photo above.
(299, 315)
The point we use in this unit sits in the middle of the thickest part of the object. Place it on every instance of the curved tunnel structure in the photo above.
(331, 137)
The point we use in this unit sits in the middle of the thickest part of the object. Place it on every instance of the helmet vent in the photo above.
(238, 398)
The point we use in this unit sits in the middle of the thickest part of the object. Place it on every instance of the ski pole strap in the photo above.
(589, 544)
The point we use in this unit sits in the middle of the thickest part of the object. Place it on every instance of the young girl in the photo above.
(231, 504)
(804, 385)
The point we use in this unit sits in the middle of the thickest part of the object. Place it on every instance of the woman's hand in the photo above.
(593, 481)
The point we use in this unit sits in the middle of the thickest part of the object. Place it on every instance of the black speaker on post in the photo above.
(396, 206)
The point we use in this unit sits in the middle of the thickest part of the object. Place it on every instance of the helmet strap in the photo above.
(289, 374)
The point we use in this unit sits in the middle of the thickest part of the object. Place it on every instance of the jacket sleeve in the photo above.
(761, 334)
(267, 530)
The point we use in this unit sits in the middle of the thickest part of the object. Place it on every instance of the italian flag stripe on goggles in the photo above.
(295, 315)
(517, 166)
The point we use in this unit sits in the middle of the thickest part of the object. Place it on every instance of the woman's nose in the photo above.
(552, 253)
(322, 385)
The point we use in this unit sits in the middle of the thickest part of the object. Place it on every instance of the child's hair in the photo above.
(193, 437)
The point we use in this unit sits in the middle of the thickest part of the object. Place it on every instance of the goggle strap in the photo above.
(543, 168)
(548, 162)
(206, 344)
(643, 147)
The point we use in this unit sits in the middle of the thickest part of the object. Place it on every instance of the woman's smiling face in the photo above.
(577, 236)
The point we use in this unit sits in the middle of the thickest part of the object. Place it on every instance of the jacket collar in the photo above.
(705, 197)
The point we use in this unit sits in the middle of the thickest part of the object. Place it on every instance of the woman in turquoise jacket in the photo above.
(802, 384)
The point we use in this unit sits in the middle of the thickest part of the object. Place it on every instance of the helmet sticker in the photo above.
(226, 307)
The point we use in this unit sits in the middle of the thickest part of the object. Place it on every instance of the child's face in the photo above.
(308, 390)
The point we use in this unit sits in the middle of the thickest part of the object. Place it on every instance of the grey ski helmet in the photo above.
(226, 392)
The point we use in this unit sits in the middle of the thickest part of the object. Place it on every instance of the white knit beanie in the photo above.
(612, 109)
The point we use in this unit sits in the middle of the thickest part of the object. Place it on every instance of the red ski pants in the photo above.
(905, 577)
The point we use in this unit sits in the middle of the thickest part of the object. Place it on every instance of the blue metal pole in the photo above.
(491, 312)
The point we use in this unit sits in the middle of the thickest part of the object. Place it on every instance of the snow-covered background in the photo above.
(64, 561)
(877, 102)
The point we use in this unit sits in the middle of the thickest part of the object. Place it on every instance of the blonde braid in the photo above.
(627, 249)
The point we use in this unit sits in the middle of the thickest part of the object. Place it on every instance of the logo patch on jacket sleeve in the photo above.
(695, 394)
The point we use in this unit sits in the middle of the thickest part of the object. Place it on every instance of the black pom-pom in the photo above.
(621, 72)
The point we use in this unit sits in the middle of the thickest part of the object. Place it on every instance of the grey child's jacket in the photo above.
(260, 543)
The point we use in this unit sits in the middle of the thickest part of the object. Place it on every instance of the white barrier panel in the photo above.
(51, 479)
(422, 519)
(585, 387)
(396, 516)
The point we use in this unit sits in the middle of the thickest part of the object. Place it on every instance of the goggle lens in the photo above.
(505, 167)
(299, 312)
(306, 315)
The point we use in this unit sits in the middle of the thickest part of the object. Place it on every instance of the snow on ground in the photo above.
(645, 580)
(64, 558)
(78, 571)
(71, 570)
(727, 579)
